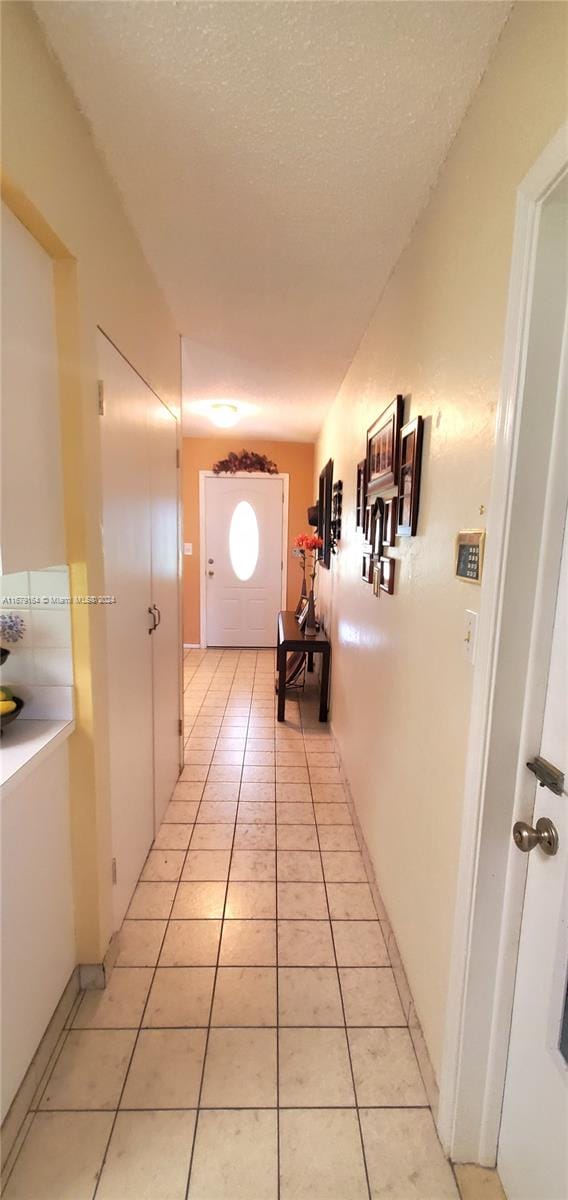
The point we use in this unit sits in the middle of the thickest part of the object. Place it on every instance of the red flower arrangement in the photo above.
(307, 547)
(308, 544)
(308, 541)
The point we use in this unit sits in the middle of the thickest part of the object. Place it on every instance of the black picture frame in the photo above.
(361, 494)
(302, 611)
(411, 437)
(387, 569)
(302, 615)
(383, 448)
(325, 501)
(367, 564)
(390, 522)
(378, 527)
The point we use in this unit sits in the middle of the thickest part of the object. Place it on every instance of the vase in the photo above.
(310, 628)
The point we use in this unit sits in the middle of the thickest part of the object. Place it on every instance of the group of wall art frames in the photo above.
(388, 491)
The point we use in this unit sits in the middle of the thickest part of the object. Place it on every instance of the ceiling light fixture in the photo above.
(224, 414)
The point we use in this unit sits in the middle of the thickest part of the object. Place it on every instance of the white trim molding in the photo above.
(523, 552)
(203, 475)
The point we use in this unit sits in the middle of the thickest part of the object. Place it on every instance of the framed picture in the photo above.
(409, 477)
(367, 568)
(325, 500)
(377, 528)
(390, 520)
(383, 447)
(361, 497)
(368, 523)
(302, 611)
(387, 568)
(336, 513)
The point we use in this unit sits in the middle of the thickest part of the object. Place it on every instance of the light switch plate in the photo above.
(188, 547)
(470, 634)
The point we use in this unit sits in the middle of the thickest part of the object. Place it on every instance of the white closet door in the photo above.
(166, 639)
(127, 527)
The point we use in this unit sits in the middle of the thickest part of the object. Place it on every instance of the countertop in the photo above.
(24, 743)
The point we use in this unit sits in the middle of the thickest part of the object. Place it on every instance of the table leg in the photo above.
(324, 687)
(310, 660)
(281, 664)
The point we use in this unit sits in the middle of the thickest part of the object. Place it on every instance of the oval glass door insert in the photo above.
(243, 540)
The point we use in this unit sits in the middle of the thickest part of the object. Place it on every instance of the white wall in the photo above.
(401, 681)
(38, 936)
(32, 532)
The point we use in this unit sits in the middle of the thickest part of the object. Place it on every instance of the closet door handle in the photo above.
(153, 616)
(158, 615)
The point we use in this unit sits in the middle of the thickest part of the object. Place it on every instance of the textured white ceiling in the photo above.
(273, 158)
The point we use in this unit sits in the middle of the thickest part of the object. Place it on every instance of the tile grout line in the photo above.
(342, 1002)
(277, 927)
(154, 973)
(198, 1109)
(255, 1108)
(143, 1013)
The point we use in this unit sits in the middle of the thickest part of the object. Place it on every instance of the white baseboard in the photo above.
(405, 994)
(15, 1119)
(85, 977)
(191, 646)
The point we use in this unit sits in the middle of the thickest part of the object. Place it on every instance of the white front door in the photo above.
(533, 1144)
(243, 559)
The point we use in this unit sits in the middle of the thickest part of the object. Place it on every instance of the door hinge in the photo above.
(113, 870)
(178, 459)
(180, 727)
(101, 397)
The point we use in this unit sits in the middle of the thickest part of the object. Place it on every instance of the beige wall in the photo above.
(295, 459)
(401, 681)
(55, 182)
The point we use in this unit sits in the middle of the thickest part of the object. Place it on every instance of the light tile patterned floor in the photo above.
(251, 1044)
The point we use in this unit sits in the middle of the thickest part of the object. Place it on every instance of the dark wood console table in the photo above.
(290, 638)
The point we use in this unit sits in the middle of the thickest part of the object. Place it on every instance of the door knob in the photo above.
(545, 835)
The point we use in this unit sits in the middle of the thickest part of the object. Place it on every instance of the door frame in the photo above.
(491, 872)
(203, 475)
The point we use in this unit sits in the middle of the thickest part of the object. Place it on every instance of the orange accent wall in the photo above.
(295, 459)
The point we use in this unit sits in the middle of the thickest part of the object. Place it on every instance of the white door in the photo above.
(166, 638)
(533, 1144)
(127, 528)
(243, 559)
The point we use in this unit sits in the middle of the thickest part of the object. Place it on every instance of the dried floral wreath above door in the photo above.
(247, 460)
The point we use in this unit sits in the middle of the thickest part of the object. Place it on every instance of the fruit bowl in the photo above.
(6, 718)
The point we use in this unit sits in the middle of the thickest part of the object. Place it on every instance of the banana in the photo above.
(7, 706)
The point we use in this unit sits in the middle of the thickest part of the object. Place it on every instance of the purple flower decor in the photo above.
(12, 627)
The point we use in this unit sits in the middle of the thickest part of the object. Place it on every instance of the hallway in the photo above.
(251, 1043)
